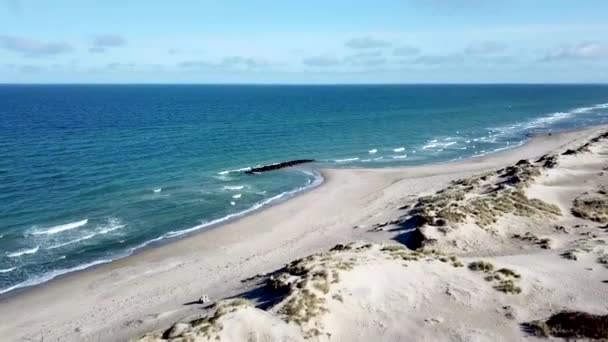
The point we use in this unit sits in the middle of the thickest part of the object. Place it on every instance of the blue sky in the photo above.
(330, 41)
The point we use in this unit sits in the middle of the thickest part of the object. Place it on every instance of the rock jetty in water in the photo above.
(277, 166)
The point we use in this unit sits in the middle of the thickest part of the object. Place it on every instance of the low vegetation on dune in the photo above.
(592, 205)
(504, 279)
(586, 147)
(398, 252)
(571, 254)
(589, 246)
(482, 266)
(302, 291)
(303, 288)
(484, 198)
(571, 325)
(544, 243)
(207, 327)
(307, 282)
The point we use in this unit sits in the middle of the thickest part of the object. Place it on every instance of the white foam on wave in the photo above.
(583, 110)
(61, 228)
(435, 144)
(112, 225)
(86, 237)
(549, 119)
(306, 172)
(373, 151)
(399, 149)
(317, 181)
(400, 156)
(232, 203)
(509, 146)
(51, 275)
(111, 228)
(225, 172)
(233, 187)
(6, 270)
(346, 160)
(237, 196)
(158, 190)
(23, 252)
(544, 121)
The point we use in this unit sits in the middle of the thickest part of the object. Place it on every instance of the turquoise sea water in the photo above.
(89, 174)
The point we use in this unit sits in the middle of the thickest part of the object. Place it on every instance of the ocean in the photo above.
(92, 173)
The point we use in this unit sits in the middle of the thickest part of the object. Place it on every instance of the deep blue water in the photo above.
(92, 173)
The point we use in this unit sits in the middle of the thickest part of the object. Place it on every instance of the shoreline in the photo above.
(184, 234)
(256, 207)
(221, 221)
(306, 222)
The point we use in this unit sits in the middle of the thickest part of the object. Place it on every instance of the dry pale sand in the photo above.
(372, 292)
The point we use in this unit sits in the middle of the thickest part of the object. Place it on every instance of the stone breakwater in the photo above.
(278, 166)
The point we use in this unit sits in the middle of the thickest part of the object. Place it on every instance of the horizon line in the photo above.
(299, 84)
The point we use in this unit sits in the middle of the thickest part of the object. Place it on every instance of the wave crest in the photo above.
(61, 228)
(23, 252)
(346, 160)
(233, 187)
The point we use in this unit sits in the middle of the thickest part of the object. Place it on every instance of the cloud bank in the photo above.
(581, 51)
(32, 48)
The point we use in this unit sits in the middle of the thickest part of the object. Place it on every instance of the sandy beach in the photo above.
(152, 290)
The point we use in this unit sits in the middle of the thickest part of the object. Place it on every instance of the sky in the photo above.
(304, 42)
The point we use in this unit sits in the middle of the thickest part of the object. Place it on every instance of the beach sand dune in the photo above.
(502, 243)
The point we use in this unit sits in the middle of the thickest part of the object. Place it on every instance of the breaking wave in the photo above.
(60, 228)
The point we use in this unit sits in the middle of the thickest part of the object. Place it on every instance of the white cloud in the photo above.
(104, 41)
(366, 59)
(582, 51)
(227, 64)
(118, 65)
(434, 60)
(31, 47)
(366, 43)
(13, 5)
(97, 49)
(321, 61)
(406, 51)
(485, 48)
(109, 40)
